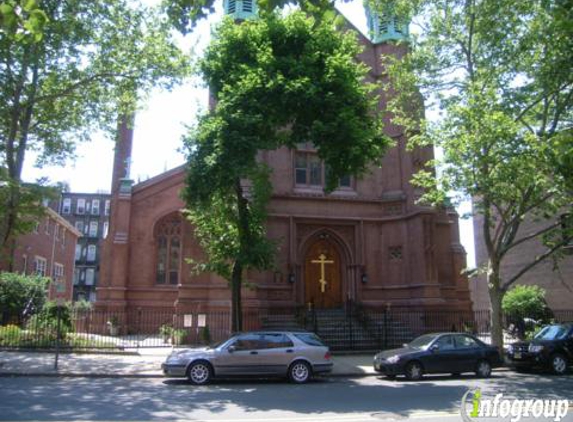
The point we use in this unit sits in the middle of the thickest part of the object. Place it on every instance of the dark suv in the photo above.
(552, 348)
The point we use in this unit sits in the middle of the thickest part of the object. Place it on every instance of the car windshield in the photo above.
(553, 332)
(422, 342)
(221, 344)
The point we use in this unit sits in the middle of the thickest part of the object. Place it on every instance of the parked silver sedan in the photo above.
(296, 355)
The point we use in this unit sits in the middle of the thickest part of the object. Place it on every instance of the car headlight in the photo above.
(393, 359)
(535, 348)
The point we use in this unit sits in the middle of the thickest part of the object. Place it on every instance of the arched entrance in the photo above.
(323, 275)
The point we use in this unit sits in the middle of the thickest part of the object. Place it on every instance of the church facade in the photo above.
(367, 242)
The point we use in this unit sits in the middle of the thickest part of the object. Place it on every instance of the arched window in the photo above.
(168, 247)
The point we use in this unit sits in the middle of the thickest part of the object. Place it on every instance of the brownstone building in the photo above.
(366, 242)
(49, 252)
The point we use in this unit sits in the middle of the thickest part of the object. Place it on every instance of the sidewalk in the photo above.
(140, 363)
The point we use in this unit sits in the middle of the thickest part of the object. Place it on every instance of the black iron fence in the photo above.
(352, 328)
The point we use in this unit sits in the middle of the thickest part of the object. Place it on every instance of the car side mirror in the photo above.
(231, 349)
(434, 348)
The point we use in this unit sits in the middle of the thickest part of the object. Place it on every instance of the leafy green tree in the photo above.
(277, 82)
(498, 74)
(92, 63)
(22, 20)
(21, 295)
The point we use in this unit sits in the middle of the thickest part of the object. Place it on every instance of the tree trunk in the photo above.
(244, 239)
(236, 308)
(496, 316)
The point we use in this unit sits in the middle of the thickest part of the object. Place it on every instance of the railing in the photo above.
(352, 328)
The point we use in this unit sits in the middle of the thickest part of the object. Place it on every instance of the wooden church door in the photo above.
(323, 287)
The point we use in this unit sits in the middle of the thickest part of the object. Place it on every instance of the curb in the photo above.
(103, 375)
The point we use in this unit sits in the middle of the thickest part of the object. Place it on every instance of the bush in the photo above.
(45, 322)
(21, 295)
(82, 306)
(166, 331)
(10, 335)
(525, 305)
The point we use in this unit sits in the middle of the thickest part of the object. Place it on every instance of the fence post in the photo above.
(58, 319)
(385, 329)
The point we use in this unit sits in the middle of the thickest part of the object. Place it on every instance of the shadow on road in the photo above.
(156, 399)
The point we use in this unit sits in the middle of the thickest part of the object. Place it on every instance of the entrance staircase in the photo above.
(342, 330)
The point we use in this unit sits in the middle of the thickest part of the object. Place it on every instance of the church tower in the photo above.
(384, 26)
(240, 9)
(115, 250)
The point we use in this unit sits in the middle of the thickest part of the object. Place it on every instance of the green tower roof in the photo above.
(385, 26)
(240, 9)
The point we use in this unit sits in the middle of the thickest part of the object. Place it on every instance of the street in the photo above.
(330, 399)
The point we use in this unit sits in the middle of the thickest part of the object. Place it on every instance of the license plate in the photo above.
(517, 355)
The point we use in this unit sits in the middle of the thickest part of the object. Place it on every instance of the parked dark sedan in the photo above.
(551, 348)
(439, 353)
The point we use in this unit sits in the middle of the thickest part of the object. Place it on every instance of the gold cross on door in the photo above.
(322, 261)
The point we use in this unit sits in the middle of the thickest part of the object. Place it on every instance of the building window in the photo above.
(40, 266)
(76, 277)
(107, 206)
(82, 275)
(90, 276)
(67, 206)
(91, 253)
(79, 226)
(81, 206)
(93, 228)
(95, 207)
(310, 171)
(105, 229)
(58, 271)
(78, 252)
(57, 231)
(168, 246)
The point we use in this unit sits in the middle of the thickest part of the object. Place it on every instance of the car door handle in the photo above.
(254, 352)
(290, 351)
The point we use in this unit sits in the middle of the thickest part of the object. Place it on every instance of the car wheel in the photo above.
(483, 369)
(414, 371)
(299, 372)
(199, 373)
(558, 364)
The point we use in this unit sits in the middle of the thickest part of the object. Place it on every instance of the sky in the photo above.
(159, 127)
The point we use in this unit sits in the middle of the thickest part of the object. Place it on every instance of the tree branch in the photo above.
(537, 260)
(81, 83)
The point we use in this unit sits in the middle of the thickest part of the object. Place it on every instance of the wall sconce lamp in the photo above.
(291, 278)
(364, 278)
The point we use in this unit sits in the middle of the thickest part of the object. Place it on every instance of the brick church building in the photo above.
(368, 242)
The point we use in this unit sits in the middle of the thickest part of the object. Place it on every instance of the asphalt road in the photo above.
(335, 399)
